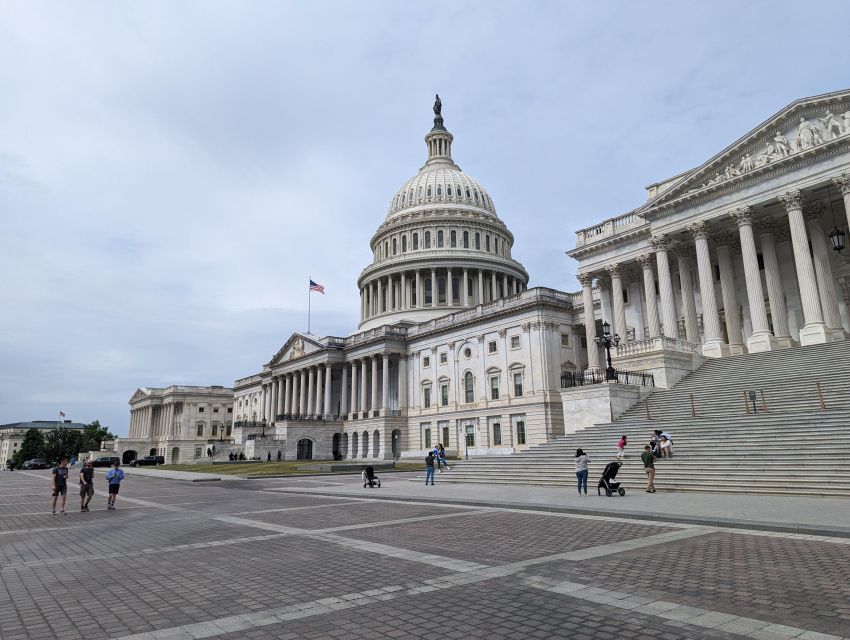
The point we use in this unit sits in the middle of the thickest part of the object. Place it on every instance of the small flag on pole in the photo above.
(62, 413)
(315, 286)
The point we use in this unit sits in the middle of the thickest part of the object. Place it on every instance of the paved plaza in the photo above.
(284, 558)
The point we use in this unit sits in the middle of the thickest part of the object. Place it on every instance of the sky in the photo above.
(172, 173)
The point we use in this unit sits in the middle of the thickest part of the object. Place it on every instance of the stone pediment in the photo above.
(298, 345)
(802, 129)
(140, 394)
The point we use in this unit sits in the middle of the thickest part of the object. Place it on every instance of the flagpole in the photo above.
(308, 304)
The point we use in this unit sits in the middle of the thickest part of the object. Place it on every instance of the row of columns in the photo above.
(153, 421)
(408, 289)
(814, 274)
(308, 390)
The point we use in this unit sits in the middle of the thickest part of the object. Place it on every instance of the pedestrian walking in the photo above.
(581, 470)
(621, 447)
(442, 450)
(278, 455)
(86, 485)
(59, 485)
(113, 477)
(649, 468)
(269, 456)
(429, 468)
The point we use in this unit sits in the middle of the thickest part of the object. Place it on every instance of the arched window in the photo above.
(478, 241)
(453, 238)
(439, 191)
(496, 242)
(404, 244)
(466, 239)
(410, 197)
(476, 197)
(402, 198)
(419, 193)
(440, 238)
(468, 197)
(449, 191)
(429, 191)
(415, 241)
(427, 239)
(395, 246)
(487, 242)
(386, 249)
(469, 387)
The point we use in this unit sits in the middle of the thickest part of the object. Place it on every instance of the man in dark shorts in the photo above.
(59, 484)
(86, 485)
(114, 477)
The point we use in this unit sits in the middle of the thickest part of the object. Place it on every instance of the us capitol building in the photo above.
(731, 257)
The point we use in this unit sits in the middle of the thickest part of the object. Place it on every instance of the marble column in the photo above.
(480, 287)
(419, 295)
(403, 292)
(506, 291)
(814, 330)
(380, 295)
(343, 392)
(402, 381)
(374, 404)
(688, 304)
(327, 389)
(661, 244)
(434, 288)
(586, 280)
(273, 403)
(619, 311)
(311, 391)
(494, 293)
(761, 339)
(713, 345)
(450, 293)
(723, 242)
(464, 290)
(773, 279)
(302, 393)
(823, 272)
(364, 371)
(385, 383)
(653, 324)
(281, 393)
(319, 405)
(287, 393)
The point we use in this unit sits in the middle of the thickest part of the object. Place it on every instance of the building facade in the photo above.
(178, 422)
(12, 435)
(736, 256)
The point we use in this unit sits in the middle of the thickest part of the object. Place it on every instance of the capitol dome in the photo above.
(441, 246)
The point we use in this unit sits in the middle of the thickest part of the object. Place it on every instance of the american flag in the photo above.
(62, 413)
(315, 286)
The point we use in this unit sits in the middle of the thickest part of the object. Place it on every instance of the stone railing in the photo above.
(660, 343)
(609, 228)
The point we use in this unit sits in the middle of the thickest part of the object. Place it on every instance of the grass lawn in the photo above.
(273, 468)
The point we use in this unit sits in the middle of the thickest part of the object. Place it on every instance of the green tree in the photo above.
(31, 447)
(93, 434)
(61, 443)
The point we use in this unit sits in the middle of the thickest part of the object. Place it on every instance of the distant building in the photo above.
(178, 422)
(12, 435)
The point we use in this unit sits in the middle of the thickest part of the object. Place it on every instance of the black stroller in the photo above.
(608, 481)
(370, 479)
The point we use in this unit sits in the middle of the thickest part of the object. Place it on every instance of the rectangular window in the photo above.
(229, 427)
(491, 346)
(200, 409)
(445, 441)
(426, 362)
(565, 339)
(514, 342)
(497, 434)
(215, 430)
(197, 453)
(229, 409)
(494, 388)
(520, 431)
(215, 409)
(625, 296)
(444, 395)
(517, 385)
(200, 430)
(426, 397)
(427, 438)
(444, 358)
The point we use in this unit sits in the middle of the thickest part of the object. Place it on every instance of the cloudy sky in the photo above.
(172, 172)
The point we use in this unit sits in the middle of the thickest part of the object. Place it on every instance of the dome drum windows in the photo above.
(427, 239)
(453, 238)
(478, 241)
(439, 191)
(466, 239)
(404, 244)
(449, 191)
(440, 239)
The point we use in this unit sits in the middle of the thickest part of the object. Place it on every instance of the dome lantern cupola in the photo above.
(439, 140)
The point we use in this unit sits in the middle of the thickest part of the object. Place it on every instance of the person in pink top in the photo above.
(621, 447)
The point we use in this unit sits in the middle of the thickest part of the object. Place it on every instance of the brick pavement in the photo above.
(249, 560)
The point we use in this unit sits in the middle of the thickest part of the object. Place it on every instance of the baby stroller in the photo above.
(608, 482)
(370, 479)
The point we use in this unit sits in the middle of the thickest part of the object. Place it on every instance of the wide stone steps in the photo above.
(795, 448)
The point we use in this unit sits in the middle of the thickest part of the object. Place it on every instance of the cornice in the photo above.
(588, 251)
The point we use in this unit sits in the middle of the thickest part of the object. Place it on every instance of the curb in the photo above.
(807, 529)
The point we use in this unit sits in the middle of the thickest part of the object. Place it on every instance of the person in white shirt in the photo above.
(581, 470)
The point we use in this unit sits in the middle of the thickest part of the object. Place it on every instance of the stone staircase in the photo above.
(795, 442)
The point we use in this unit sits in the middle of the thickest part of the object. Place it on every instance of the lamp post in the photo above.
(607, 340)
